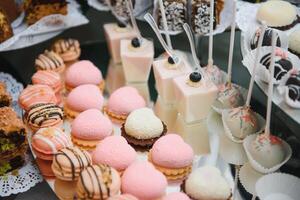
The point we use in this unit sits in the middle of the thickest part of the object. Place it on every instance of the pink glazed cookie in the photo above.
(50, 78)
(142, 180)
(174, 163)
(35, 94)
(82, 98)
(48, 141)
(89, 128)
(122, 102)
(83, 72)
(119, 158)
(176, 196)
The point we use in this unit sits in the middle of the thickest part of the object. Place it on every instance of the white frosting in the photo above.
(143, 124)
(277, 13)
(278, 196)
(207, 183)
(294, 41)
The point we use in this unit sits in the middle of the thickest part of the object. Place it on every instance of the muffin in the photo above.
(207, 183)
(11, 9)
(142, 180)
(37, 9)
(44, 115)
(68, 49)
(5, 98)
(89, 128)
(6, 31)
(278, 14)
(49, 60)
(82, 98)
(122, 102)
(69, 162)
(13, 142)
(294, 42)
(123, 155)
(36, 94)
(142, 128)
(50, 78)
(174, 163)
(83, 72)
(98, 182)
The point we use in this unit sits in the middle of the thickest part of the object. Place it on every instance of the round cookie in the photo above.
(49, 60)
(68, 49)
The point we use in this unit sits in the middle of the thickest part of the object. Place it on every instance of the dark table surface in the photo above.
(20, 63)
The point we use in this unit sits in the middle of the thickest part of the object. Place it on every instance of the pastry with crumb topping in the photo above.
(5, 28)
(5, 98)
(13, 142)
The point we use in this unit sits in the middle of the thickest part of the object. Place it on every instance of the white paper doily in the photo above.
(29, 175)
(44, 29)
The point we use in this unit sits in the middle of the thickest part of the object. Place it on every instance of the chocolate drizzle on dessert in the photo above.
(293, 84)
(44, 112)
(49, 60)
(282, 65)
(267, 39)
(64, 45)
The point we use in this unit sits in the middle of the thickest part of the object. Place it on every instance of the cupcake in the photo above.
(122, 102)
(142, 180)
(98, 182)
(279, 14)
(176, 196)
(123, 155)
(49, 60)
(89, 128)
(207, 183)
(46, 142)
(142, 128)
(174, 163)
(82, 98)
(68, 49)
(69, 162)
(123, 197)
(35, 94)
(294, 42)
(83, 72)
(50, 78)
(44, 115)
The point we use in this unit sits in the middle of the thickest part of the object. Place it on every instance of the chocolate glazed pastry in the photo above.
(48, 61)
(141, 144)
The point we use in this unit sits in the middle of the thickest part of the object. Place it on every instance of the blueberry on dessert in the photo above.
(121, 25)
(135, 42)
(171, 61)
(282, 63)
(267, 39)
(195, 77)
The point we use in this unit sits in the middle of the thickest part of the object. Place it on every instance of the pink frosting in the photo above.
(124, 100)
(176, 196)
(142, 180)
(115, 152)
(83, 72)
(85, 97)
(91, 125)
(172, 152)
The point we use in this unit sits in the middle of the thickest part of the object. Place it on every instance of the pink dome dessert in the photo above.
(82, 72)
(122, 102)
(119, 158)
(143, 181)
(176, 196)
(89, 127)
(123, 197)
(82, 98)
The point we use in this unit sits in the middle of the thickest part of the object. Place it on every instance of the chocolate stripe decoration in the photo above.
(49, 60)
(43, 113)
(61, 46)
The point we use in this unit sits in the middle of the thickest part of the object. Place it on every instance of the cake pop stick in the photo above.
(133, 21)
(148, 17)
(165, 24)
(256, 61)
(232, 37)
(270, 89)
(211, 29)
(188, 32)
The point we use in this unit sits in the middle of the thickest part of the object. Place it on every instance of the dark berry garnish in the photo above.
(171, 60)
(135, 42)
(121, 25)
(195, 77)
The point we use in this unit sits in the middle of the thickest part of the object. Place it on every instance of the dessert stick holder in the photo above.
(132, 19)
(211, 39)
(165, 24)
(231, 47)
(270, 89)
(255, 66)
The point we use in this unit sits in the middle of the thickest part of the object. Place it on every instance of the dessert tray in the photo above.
(46, 28)
(27, 176)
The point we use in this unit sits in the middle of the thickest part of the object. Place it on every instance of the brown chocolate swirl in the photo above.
(49, 60)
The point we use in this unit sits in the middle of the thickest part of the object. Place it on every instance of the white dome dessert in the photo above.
(230, 97)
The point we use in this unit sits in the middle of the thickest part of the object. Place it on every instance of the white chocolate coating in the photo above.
(294, 41)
